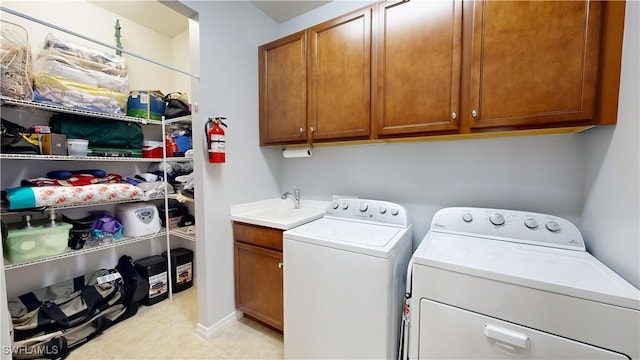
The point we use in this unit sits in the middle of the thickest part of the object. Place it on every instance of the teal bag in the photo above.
(99, 132)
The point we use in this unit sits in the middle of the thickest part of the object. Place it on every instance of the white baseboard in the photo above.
(215, 329)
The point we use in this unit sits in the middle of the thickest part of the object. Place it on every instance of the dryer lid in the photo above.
(573, 273)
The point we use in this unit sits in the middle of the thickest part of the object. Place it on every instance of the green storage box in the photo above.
(24, 245)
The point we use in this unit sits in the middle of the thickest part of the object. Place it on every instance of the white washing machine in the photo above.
(498, 284)
(344, 281)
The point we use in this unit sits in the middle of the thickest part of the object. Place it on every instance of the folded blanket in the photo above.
(30, 197)
(62, 91)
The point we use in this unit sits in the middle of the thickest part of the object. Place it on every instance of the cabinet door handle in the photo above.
(301, 130)
(312, 129)
(474, 113)
(280, 265)
(454, 116)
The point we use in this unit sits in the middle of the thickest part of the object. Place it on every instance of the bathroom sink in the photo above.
(278, 213)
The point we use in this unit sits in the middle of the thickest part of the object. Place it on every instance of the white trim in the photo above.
(207, 333)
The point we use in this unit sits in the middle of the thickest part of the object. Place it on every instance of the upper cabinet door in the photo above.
(533, 62)
(283, 90)
(339, 78)
(419, 66)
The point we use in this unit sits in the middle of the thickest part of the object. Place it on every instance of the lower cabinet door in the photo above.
(259, 284)
(447, 332)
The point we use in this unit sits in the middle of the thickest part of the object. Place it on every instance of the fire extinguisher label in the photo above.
(217, 143)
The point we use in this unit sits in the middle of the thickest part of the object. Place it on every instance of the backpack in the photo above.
(52, 321)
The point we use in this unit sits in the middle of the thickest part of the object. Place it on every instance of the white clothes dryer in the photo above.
(502, 284)
(344, 281)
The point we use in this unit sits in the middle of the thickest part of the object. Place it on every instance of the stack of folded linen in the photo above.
(79, 77)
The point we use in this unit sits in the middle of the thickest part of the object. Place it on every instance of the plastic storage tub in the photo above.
(24, 245)
(181, 263)
(77, 147)
(154, 268)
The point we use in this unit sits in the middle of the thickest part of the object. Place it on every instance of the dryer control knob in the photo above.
(496, 219)
(363, 207)
(394, 211)
(552, 225)
(345, 205)
(335, 205)
(467, 217)
(531, 223)
(382, 209)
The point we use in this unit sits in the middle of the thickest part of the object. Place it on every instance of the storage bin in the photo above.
(147, 104)
(53, 144)
(154, 268)
(181, 263)
(176, 213)
(77, 147)
(24, 245)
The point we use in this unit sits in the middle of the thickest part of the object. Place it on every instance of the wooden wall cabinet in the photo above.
(283, 90)
(419, 66)
(533, 63)
(315, 84)
(258, 273)
(447, 68)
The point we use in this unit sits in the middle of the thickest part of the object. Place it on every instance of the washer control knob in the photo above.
(496, 219)
(363, 207)
(531, 223)
(335, 205)
(552, 225)
(394, 211)
(467, 217)
(345, 205)
(382, 210)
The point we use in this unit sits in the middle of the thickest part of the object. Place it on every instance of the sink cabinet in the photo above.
(258, 273)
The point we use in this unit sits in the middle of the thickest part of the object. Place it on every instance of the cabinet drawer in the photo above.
(258, 235)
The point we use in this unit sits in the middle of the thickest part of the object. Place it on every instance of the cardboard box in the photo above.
(53, 144)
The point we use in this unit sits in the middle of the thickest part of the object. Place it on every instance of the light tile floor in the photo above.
(166, 330)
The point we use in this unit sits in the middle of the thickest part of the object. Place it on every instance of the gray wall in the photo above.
(611, 214)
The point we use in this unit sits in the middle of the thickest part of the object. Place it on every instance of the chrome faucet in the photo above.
(295, 196)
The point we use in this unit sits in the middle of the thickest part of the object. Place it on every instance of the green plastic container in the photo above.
(24, 245)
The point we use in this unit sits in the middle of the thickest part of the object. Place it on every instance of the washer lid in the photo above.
(366, 238)
(573, 273)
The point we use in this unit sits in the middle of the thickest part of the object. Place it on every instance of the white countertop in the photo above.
(278, 213)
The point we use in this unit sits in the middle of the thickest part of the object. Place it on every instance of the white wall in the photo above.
(230, 33)
(611, 214)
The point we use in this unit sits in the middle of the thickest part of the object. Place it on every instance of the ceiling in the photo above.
(163, 19)
(282, 11)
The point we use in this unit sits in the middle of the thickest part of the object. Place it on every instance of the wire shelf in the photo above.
(87, 249)
(77, 158)
(182, 233)
(80, 205)
(61, 109)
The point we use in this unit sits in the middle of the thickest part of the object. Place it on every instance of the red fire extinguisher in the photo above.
(215, 139)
